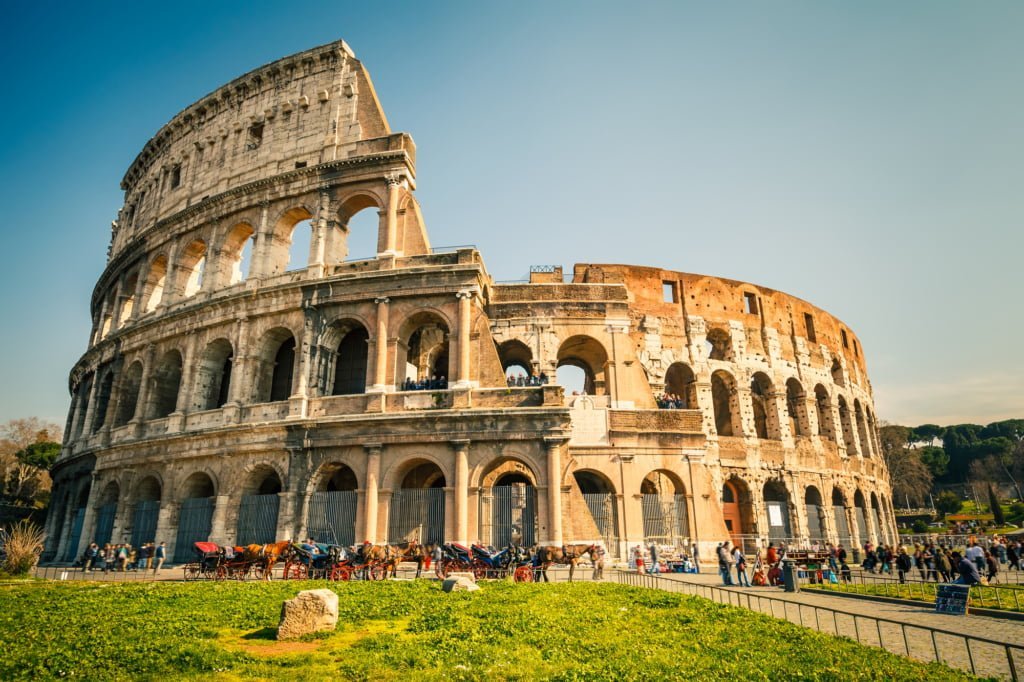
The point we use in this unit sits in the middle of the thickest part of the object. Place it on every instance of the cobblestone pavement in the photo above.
(906, 634)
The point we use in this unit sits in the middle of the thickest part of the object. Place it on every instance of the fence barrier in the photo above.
(920, 642)
(1007, 596)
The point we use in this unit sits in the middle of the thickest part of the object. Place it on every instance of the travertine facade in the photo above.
(226, 395)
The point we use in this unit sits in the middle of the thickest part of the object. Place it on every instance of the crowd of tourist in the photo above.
(941, 563)
(522, 380)
(123, 557)
(434, 383)
(670, 401)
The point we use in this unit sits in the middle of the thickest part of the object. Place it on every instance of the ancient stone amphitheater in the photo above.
(235, 391)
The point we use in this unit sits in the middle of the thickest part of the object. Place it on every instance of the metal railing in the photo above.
(993, 595)
(919, 642)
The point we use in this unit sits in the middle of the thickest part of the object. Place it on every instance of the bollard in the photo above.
(790, 580)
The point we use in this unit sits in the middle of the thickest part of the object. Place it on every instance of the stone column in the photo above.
(372, 486)
(90, 409)
(218, 522)
(286, 515)
(262, 243)
(553, 445)
(89, 522)
(380, 365)
(176, 422)
(461, 448)
(299, 402)
(140, 289)
(165, 530)
(464, 322)
(391, 221)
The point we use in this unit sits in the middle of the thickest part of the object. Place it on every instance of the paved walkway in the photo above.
(859, 621)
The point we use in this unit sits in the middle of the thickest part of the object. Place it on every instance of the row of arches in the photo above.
(216, 259)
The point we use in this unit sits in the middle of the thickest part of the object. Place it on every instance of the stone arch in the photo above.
(796, 408)
(664, 509)
(589, 355)
(876, 518)
(106, 513)
(725, 401)
(681, 384)
(149, 488)
(423, 349)
(196, 496)
(505, 469)
(344, 357)
(236, 247)
(844, 420)
(719, 344)
(198, 484)
(155, 283)
(274, 366)
(514, 353)
(131, 283)
(278, 246)
(738, 509)
(357, 203)
(103, 392)
(262, 485)
(815, 514)
(765, 410)
(333, 501)
(191, 268)
(262, 479)
(128, 394)
(823, 406)
(165, 385)
(860, 515)
(82, 392)
(779, 507)
(417, 510)
(591, 481)
(508, 503)
(334, 476)
(862, 429)
(213, 375)
(876, 447)
(841, 517)
(662, 482)
(601, 501)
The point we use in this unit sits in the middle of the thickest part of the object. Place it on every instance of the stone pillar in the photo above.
(553, 445)
(167, 527)
(380, 364)
(89, 522)
(218, 522)
(391, 221)
(464, 323)
(299, 402)
(90, 409)
(302, 522)
(142, 406)
(461, 533)
(286, 515)
(262, 244)
(372, 486)
(139, 308)
(176, 422)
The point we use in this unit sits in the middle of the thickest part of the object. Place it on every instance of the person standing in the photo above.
(438, 555)
(638, 559)
(598, 558)
(741, 567)
(654, 557)
(160, 555)
(723, 563)
(903, 564)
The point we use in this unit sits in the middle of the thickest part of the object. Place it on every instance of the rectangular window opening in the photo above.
(846, 342)
(809, 326)
(175, 177)
(856, 349)
(750, 303)
(300, 164)
(669, 293)
(255, 135)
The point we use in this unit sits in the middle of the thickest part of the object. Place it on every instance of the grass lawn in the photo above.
(1005, 597)
(413, 631)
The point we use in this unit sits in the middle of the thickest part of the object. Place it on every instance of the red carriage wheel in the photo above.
(524, 574)
(221, 573)
(341, 573)
(378, 572)
(295, 572)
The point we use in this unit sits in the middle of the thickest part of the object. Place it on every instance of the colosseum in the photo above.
(237, 391)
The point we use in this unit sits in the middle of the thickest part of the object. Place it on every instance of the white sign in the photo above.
(775, 515)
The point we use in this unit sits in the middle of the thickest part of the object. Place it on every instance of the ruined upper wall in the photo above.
(302, 110)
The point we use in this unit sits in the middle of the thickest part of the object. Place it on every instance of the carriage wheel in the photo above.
(257, 571)
(295, 572)
(221, 573)
(524, 574)
(239, 572)
(341, 573)
(191, 572)
(378, 572)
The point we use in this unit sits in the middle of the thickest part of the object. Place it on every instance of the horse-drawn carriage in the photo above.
(214, 562)
(487, 562)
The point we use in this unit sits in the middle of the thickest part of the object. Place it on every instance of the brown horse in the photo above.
(566, 554)
(390, 556)
(265, 556)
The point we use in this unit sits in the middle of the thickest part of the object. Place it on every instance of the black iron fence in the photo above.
(1007, 596)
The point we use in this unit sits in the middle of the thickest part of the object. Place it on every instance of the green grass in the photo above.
(413, 631)
(1003, 597)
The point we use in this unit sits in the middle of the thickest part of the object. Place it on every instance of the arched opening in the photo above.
(815, 520)
(844, 420)
(192, 266)
(153, 288)
(360, 228)
(166, 382)
(876, 516)
(424, 344)
(588, 355)
(350, 360)
(508, 505)
(274, 366)
(776, 502)
(128, 302)
(147, 511)
(862, 429)
(719, 344)
(763, 401)
(291, 242)
(517, 361)
(236, 258)
(331, 518)
(106, 512)
(841, 519)
(77, 523)
(82, 401)
(737, 510)
(823, 405)
(213, 376)
(195, 515)
(726, 404)
(663, 502)
(99, 416)
(573, 380)
(131, 382)
(600, 500)
(257, 514)
(873, 433)
(417, 506)
(861, 516)
(681, 386)
(796, 408)
(300, 243)
(837, 373)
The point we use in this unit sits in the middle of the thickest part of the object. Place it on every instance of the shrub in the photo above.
(920, 526)
(23, 547)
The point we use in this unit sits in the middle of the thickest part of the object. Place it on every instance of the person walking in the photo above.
(597, 556)
(741, 567)
(437, 557)
(638, 558)
(159, 556)
(724, 560)
(654, 558)
(903, 564)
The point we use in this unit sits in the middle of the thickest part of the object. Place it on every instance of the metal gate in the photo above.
(842, 526)
(331, 518)
(417, 514)
(105, 524)
(257, 519)
(605, 513)
(194, 522)
(76, 535)
(144, 522)
(862, 525)
(814, 523)
(665, 521)
(778, 520)
(508, 515)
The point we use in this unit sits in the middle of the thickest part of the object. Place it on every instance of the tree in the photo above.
(993, 503)
(926, 433)
(935, 458)
(948, 502)
(41, 454)
(910, 478)
(26, 445)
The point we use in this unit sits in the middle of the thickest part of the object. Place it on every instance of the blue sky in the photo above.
(866, 156)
